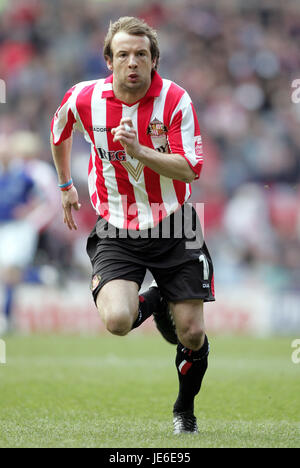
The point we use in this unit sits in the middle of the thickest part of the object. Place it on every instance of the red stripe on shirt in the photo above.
(67, 131)
(175, 136)
(101, 189)
(84, 109)
(197, 132)
(71, 118)
(90, 164)
(152, 178)
(173, 98)
(197, 127)
(125, 189)
(66, 96)
(94, 199)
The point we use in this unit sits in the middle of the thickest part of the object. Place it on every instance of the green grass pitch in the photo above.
(105, 391)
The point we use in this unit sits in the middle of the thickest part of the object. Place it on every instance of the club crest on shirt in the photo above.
(156, 128)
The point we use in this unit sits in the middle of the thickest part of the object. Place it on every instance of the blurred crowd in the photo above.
(237, 62)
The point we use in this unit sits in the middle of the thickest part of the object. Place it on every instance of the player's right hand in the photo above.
(70, 201)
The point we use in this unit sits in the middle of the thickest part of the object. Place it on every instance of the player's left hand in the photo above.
(127, 136)
(70, 201)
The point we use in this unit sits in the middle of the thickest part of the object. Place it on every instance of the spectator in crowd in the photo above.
(19, 198)
(27, 146)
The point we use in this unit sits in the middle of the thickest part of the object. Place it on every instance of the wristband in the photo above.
(67, 184)
(65, 189)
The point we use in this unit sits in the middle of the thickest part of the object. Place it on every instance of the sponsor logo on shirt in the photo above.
(112, 155)
(100, 129)
(163, 148)
(134, 169)
(198, 146)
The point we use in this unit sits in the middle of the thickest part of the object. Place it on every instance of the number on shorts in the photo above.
(203, 259)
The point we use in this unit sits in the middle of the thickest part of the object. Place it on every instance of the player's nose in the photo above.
(132, 63)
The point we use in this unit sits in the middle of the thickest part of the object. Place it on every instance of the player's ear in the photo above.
(109, 64)
(154, 63)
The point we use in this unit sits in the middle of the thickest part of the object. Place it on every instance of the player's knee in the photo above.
(119, 324)
(192, 337)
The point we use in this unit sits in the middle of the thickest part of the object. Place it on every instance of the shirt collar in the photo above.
(153, 91)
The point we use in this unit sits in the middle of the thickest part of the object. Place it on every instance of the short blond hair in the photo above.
(135, 27)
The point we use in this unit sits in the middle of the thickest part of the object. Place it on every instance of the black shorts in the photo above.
(174, 252)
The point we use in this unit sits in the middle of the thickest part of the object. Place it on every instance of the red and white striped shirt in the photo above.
(125, 192)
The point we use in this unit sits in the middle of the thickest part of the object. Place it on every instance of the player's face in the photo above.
(131, 63)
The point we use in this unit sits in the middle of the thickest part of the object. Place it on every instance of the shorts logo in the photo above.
(95, 282)
(156, 128)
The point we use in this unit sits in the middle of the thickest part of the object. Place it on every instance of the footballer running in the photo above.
(145, 153)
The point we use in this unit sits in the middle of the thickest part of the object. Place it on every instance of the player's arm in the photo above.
(172, 165)
(61, 154)
(61, 145)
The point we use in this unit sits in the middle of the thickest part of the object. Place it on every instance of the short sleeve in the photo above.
(64, 119)
(184, 135)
